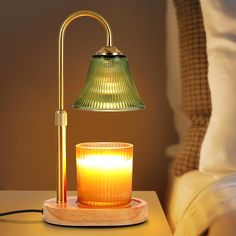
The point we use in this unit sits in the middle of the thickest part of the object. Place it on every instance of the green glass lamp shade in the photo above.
(109, 86)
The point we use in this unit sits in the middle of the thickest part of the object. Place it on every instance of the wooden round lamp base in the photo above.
(72, 214)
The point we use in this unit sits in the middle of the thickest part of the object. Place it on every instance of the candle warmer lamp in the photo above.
(104, 170)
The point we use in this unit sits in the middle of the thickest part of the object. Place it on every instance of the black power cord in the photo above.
(21, 211)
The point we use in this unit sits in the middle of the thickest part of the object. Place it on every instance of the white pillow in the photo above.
(174, 76)
(218, 152)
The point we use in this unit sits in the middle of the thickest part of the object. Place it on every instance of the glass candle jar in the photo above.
(104, 173)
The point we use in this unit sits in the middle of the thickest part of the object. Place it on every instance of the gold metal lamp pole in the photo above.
(61, 115)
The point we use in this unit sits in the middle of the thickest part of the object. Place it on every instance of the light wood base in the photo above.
(72, 214)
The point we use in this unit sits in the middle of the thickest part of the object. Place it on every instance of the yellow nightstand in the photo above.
(29, 224)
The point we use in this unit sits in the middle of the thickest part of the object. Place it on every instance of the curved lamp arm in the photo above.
(61, 115)
(63, 28)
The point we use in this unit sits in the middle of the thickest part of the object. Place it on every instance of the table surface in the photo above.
(29, 224)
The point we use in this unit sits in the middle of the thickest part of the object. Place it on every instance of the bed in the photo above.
(202, 175)
(202, 204)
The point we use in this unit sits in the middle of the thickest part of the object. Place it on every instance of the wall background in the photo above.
(29, 33)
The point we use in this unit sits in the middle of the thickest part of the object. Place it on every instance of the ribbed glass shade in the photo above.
(104, 173)
(109, 86)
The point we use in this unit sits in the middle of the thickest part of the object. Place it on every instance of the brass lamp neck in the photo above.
(63, 28)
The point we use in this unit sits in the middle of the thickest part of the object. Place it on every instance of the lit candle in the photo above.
(104, 173)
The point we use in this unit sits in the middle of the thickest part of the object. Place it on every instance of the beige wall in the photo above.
(29, 89)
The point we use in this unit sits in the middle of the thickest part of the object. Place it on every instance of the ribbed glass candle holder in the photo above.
(104, 173)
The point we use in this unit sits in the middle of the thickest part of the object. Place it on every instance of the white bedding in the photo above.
(196, 200)
(182, 191)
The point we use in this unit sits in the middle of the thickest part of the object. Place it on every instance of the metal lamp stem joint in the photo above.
(61, 118)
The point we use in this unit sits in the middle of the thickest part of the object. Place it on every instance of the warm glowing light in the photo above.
(104, 174)
(104, 162)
